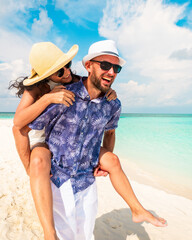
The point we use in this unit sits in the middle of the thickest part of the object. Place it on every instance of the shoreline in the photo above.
(167, 184)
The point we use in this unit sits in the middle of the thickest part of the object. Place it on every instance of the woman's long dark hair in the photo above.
(18, 84)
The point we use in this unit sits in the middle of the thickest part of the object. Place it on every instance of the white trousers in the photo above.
(74, 215)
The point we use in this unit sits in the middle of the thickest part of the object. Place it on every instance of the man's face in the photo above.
(102, 79)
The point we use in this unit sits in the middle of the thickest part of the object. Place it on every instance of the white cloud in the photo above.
(182, 54)
(13, 6)
(9, 6)
(17, 12)
(14, 53)
(80, 11)
(14, 45)
(148, 38)
(78, 68)
(42, 25)
(10, 72)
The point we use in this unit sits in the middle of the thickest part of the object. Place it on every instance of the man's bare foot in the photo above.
(145, 215)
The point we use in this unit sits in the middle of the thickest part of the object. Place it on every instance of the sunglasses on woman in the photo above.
(104, 65)
(61, 71)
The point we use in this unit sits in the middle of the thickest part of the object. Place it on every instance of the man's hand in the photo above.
(98, 172)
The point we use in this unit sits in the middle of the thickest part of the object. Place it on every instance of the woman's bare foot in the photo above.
(51, 237)
(144, 215)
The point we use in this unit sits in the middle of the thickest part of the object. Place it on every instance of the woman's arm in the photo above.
(30, 107)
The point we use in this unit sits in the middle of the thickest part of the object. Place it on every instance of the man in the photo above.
(74, 137)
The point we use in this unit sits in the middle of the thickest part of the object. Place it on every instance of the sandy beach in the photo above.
(18, 219)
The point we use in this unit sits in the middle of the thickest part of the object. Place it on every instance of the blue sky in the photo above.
(153, 36)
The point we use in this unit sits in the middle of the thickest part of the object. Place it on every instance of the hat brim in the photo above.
(61, 62)
(93, 55)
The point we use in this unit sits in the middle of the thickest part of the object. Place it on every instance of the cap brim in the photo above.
(61, 62)
(93, 55)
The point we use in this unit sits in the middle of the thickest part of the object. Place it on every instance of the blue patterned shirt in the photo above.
(74, 135)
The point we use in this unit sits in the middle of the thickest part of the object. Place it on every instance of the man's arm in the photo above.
(108, 144)
(109, 134)
(109, 140)
(22, 145)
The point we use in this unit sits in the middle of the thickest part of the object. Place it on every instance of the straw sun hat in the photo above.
(45, 59)
(105, 47)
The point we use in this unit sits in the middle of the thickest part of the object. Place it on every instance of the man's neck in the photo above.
(92, 90)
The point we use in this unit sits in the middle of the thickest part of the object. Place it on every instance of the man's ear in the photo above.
(88, 66)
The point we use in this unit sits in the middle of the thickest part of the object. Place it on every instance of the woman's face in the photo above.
(63, 75)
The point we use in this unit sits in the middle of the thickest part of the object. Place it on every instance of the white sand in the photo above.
(18, 219)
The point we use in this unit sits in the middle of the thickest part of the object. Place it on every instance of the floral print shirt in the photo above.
(74, 135)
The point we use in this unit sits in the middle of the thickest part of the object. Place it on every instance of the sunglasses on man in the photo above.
(61, 71)
(104, 65)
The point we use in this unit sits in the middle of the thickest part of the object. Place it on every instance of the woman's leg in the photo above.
(22, 144)
(40, 165)
(109, 162)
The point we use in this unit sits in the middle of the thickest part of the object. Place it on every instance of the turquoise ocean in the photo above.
(158, 143)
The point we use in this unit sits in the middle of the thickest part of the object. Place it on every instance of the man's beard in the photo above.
(97, 83)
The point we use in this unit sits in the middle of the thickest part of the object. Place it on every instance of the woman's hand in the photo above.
(111, 95)
(60, 94)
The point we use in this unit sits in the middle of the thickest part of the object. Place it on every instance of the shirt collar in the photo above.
(81, 90)
(83, 93)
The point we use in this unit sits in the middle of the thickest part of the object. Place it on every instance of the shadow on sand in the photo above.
(118, 225)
